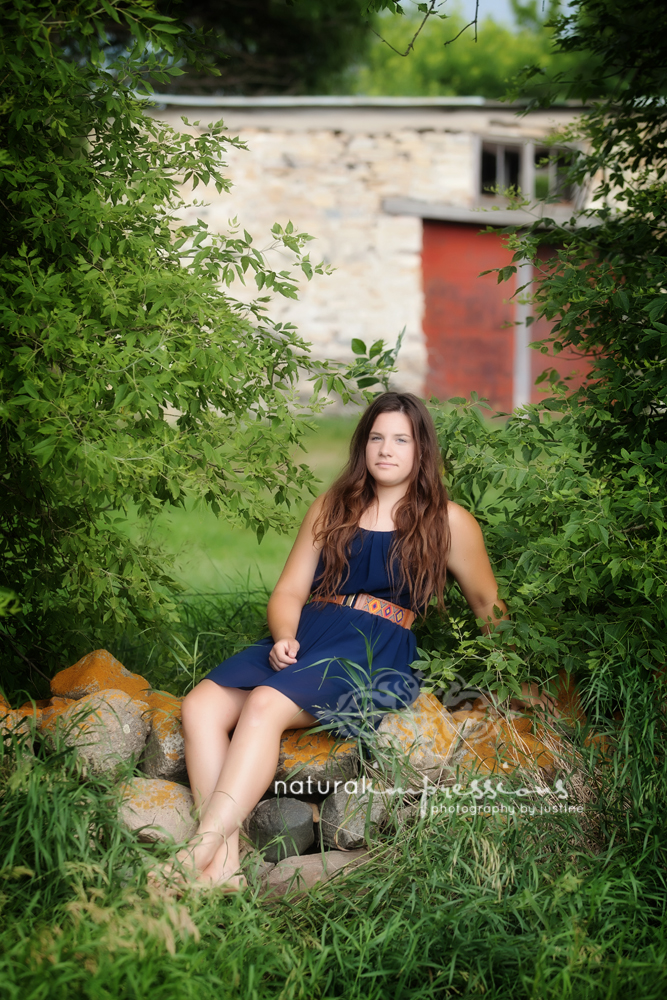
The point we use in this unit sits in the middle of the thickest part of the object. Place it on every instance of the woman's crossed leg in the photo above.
(232, 742)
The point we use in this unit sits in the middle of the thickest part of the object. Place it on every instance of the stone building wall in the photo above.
(332, 166)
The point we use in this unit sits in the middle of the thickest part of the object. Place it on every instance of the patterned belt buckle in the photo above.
(385, 609)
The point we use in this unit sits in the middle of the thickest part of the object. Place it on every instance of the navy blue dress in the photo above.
(352, 667)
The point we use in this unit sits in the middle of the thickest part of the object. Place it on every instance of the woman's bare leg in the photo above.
(249, 765)
(209, 714)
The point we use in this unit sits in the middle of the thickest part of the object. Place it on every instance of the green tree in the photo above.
(275, 47)
(129, 377)
(451, 58)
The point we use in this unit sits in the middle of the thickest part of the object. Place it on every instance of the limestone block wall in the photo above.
(330, 182)
(328, 170)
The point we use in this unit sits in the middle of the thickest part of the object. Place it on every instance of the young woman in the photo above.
(370, 554)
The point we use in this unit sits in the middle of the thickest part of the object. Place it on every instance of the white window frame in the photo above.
(526, 149)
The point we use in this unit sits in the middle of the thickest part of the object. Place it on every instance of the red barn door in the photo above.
(472, 340)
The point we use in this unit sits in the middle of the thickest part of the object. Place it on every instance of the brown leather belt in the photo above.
(374, 606)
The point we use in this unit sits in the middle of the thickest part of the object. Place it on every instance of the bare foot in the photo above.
(200, 852)
(223, 870)
(165, 878)
(228, 883)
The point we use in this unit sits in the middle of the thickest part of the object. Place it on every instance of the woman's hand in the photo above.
(283, 653)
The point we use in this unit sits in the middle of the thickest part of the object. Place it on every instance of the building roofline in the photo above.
(330, 101)
(558, 214)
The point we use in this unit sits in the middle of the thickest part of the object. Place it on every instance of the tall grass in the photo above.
(557, 906)
(212, 628)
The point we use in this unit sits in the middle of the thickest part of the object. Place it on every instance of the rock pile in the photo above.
(320, 801)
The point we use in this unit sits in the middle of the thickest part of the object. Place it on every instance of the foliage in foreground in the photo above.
(128, 375)
(542, 907)
(578, 550)
(604, 290)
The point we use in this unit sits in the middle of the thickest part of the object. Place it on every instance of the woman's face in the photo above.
(390, 450)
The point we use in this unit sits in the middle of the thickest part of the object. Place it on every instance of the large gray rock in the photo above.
(158, 810)
(281, 828)
(310, 764)
(164, 754)
(431, 740)
(297, 874)
(14, 727)
(106, 728)
(347, 818)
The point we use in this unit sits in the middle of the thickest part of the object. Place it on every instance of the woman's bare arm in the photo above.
(292, 591)
(469, 565)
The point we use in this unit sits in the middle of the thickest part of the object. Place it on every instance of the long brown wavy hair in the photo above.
(421, 542)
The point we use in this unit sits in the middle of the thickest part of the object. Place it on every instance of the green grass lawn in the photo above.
(214, 557)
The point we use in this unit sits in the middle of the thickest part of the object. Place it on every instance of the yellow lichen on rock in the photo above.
(51, 712)
(98, 671)
(33, 709)
(317, 756)
(509, 745)
(297, 747)
(158, 810)
(164, 755)
(164, 712)
(426, 732)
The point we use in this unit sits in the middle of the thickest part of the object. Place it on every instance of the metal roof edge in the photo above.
(483, 217)
(327, 101)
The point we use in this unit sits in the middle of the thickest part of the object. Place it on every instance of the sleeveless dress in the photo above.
(352, 667)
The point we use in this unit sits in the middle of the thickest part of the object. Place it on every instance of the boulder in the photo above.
(158, 810)
(310, 763)
(296, 874)
(164, 754)
(14, 726)
(47, 721)
(281, 828)
(34, 710)
(507, 747)
(428, 735)
(106, 728)
(98, 671)
(347, 818)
